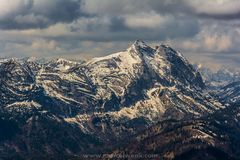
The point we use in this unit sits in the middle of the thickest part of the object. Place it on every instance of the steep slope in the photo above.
(68, 86)
(17, 82)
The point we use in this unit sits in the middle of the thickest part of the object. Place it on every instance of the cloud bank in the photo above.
(86, 28)
(25, 14)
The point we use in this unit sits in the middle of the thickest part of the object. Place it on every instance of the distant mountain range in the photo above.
(224, 82)
(219, 78)
(142, 100)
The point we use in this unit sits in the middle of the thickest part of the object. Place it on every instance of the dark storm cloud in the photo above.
(231, 16)
(118, 24)
(215, 9)
(191, 26)
(127, 29)
(27, 14)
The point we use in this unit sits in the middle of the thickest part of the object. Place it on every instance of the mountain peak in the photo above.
(141, 48)
(140, 43)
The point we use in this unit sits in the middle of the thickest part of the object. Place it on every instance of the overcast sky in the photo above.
(205, 31)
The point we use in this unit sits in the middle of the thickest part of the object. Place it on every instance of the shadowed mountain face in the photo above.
(215, 136)
(63, 108)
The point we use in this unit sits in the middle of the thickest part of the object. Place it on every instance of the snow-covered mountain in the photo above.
(105, 100)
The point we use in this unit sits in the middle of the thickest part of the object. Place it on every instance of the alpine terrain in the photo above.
(143, 100)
